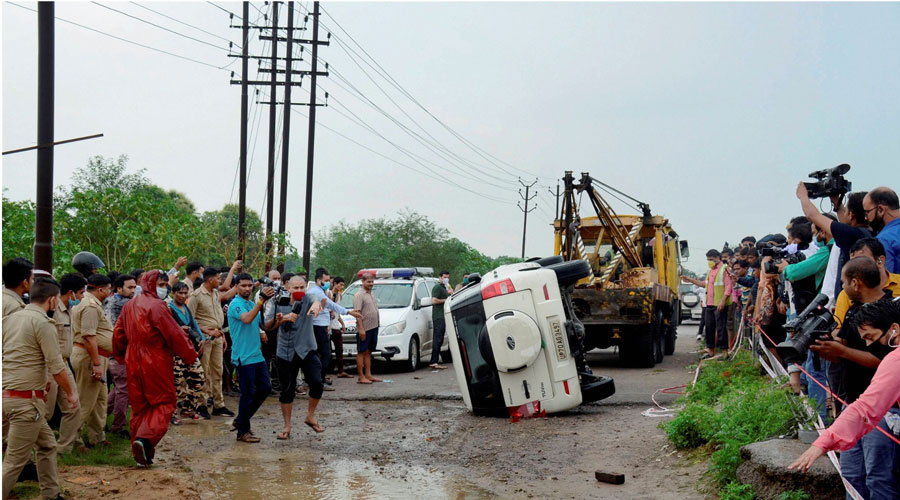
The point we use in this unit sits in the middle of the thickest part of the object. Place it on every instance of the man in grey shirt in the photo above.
(296, 351)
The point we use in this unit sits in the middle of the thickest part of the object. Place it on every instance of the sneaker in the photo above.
(175, 420)
(328, 381)
(328, 388)
(248, 437)
(139, 450)
(223, 411)
(203, 413)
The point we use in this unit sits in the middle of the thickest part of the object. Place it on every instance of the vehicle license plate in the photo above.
(349, 351)
(561, 353)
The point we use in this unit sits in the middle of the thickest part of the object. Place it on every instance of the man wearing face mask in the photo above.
(30, 352)
(323, 319)
(147, 338)
(882, 209)
(90, 358)
(718, 295)
(123, 290)
(71, 292)
(862, 465)
(438, 297)
(296, 351)
(877, 322)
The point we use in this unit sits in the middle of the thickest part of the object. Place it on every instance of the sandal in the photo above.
(364, 381)
(282, 436)
(316, 427)
(344, 375)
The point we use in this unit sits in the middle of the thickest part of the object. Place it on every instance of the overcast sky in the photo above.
(709, 112)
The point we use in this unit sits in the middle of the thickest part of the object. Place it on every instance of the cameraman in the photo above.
(861, 465)
(882, 209)
(850, 227)
(873, 249)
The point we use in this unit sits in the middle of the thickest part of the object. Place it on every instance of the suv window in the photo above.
(423, 290)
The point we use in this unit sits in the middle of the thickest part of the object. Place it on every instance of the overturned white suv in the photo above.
(516, 343)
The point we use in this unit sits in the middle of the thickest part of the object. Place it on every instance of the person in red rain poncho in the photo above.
(147, 337)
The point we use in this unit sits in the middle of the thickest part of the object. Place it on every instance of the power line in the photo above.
(223, 9)
(399, 87)
(157, 26)
(187, 24)
(127, 40)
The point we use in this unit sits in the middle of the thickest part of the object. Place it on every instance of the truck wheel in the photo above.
(659, 337)
(639, 350)
(671, 335)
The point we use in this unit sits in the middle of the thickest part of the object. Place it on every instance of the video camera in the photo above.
(830, 182)
(779, 254)
(281, 293)
(814, 323)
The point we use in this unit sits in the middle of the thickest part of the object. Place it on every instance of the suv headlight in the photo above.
(394, 329)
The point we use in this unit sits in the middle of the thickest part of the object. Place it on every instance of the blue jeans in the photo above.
(873, 465)
(816, 393)
(255, 388)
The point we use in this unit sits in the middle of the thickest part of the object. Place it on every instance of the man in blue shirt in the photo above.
(882, 209)
(244, 323)
(323, 319)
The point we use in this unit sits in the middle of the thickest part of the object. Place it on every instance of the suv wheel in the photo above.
(413, 362)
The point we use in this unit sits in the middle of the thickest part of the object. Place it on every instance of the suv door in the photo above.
(422, 316)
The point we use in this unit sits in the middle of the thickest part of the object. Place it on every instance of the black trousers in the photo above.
(324, 347)
(440, 327)
(312, 374)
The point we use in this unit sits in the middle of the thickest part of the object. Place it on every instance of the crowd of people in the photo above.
(851, 257)
(170, 348)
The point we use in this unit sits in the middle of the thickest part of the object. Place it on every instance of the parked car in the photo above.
(517, 345)
(403, 296)
(691, 302)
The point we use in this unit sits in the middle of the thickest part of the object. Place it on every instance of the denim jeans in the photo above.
(816, 393)
(873, 465)
(255, 388)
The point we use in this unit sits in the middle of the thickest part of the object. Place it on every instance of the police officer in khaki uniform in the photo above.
(17, 279)
(30, 351)
(71, 292)
(206, 307)
(90, 357)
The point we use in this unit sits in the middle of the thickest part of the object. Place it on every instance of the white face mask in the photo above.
(162, 292)
(445, 281)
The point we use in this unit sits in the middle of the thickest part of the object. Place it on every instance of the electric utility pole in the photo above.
(43, 214)
(310, 150)
(556, 215)
(270, 178)
(525, 209)
(242, 190)
(272, 84)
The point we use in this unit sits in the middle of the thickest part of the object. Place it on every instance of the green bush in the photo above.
(692, 427)
(737, 491)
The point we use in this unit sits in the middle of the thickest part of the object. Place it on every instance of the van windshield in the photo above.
(387, 295)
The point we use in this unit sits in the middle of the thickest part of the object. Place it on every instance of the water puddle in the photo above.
(257, 476)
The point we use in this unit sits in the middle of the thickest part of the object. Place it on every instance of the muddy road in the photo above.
(412, 437)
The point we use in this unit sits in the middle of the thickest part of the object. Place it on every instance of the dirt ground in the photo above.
(413, 436)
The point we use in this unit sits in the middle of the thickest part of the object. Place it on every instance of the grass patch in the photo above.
(732, 404)
(794, 495)
(119, 454)
(26, 489)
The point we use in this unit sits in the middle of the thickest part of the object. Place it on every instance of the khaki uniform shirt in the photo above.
(364, 302)
(30, 350)
(63, 319)
(88, 318)
(11, 302)
(206, 308)
(190, 285)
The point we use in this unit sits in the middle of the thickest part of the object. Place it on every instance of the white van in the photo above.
(404, 308)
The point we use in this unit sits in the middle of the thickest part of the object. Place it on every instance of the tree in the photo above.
(408, 240)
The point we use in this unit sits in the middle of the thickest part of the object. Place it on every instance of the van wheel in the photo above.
(446, 356)
(413, 362)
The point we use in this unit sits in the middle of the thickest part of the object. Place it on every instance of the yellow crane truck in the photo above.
(632, 299)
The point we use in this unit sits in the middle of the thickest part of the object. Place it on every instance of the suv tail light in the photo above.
(499, 288)
(531, 409)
